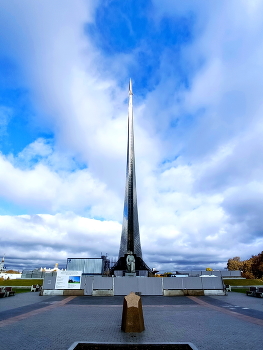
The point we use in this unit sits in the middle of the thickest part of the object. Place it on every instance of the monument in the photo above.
(130, 254)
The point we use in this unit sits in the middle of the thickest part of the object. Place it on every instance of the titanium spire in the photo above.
(130, 238)
(130, 88)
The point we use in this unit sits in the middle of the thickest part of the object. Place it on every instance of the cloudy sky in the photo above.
(197, 71)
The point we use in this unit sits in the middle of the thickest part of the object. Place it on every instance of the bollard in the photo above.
(132, 314)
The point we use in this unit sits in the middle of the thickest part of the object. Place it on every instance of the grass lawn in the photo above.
(237, 282)
(21, 282)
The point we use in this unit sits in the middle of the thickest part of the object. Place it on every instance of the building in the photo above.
(2, 265)
(40, 272)
(5, 275)
(89, 266)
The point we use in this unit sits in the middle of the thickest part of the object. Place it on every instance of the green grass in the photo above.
(237, 282)
(21, 282)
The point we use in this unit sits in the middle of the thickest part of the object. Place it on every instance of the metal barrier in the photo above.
(98, 285)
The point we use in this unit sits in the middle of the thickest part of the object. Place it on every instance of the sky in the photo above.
(196, 68)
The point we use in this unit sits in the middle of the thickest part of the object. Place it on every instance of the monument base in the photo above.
(121, 265)
(130, 274)
(139, 273)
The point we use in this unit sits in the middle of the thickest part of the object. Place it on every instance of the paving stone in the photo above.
(178, 319)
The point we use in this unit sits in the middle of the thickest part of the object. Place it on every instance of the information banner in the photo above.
(68, 280)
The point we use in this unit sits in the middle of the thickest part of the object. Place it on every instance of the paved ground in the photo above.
(29, 321)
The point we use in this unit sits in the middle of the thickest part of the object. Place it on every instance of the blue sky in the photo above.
(64, 73)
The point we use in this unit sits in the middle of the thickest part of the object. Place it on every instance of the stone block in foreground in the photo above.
(132, 314)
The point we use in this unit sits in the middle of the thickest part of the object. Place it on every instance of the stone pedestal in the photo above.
(132, 314)
(130, 274)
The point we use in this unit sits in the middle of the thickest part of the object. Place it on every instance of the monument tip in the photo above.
(130, 87)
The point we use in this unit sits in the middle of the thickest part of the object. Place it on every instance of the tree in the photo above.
(247, 269)
(235, 264)
(257, 265)
(251, 268)
(248, 275)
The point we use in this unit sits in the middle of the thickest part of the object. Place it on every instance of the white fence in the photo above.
(98, 285)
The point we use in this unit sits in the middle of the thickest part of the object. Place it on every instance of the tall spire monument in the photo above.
(130, 238)
(130, 253)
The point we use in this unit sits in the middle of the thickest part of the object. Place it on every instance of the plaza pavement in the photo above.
(29, 321)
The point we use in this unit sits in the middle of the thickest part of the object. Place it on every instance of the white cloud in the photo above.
(48, 237)
(43, 188)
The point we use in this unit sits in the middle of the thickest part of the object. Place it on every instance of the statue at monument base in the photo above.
(130, 261)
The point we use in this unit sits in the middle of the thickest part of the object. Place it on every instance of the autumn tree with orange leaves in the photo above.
(251, 268)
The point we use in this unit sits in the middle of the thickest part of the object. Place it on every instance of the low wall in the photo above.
(192, 292)
(102, 293)
(178, 292)
(66, 292)
(214, 292)
(53, 292)
(18, 287)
